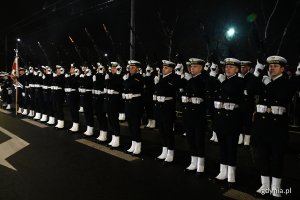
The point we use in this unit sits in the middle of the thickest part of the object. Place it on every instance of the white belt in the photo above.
(130, 96)
(185, 99)
(88, 90)
(58, 88)
(154, 97)
(45, 87)
(109, 91)
(37, 85)
(276, 110)
(69, 90)
(27, 86)
(98, 92)
(193, 100)
(163, 98)
(30, 85)
(225, 105)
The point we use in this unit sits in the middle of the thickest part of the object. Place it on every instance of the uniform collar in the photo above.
(167, 75)
(197, 75)
(231, 76)
(273, 79)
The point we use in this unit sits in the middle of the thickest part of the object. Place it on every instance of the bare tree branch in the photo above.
(268, 22)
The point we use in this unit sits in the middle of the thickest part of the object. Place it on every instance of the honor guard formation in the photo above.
(237, 102)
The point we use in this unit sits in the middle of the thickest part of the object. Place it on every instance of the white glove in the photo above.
(54, 74)
(207, 66)
(258, 68)
(9, 91)
(266, 80)
(298, 70)
(43, 77)
(23, 94)
(67, 75)
(125, 77)
(187, 76)
(106, 76)
(94, 78)
(123, 96)
(221, 77)
(213, 73)
(81, 76)
(34, 73)
(156, 80)
(144, 75)
(213, 70)
(240, 75)
(179, 69)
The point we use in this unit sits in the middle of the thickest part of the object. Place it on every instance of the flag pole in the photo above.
(16, 79)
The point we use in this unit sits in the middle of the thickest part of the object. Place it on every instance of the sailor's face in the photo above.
(21, 72)
(133, 69)
(244, 69)
(275, 69)
(58, 71)
(231, 70)
(166, 70)
(114, 70)
(72, 70)
(196, 69)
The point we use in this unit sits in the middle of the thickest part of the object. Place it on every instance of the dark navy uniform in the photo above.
(148, 98)
(270, 129)
(194, 114)
(72, 93)
(114, 84)
(133, 89)
(7, 92)
(58, 85)
(31, 92)
(165, 96)
(48, 93)
(87, 84)
(100, 98)
(21, 91)
(227, 121)
(227, 118)
(247, 106)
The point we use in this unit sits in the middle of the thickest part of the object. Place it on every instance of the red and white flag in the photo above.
(15, 69)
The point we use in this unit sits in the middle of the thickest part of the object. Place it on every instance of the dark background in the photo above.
(199, 32)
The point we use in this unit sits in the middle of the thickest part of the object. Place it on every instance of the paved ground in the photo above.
(58, 165)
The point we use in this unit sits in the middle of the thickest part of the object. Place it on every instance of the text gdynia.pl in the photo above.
(277, 191)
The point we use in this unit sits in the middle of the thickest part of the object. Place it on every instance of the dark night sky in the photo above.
(200, 23)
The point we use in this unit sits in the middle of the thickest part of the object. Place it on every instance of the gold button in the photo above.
(274, 119)
(265, 99)
(226, 115)
(218, 113)
(263, 117)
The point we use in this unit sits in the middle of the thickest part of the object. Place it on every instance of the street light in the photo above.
(17, 50)
(230, 33)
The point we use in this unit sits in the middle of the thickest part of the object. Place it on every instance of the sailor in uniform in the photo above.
(133, 89)
(228, 119)
(194, 114)
(270, 129)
